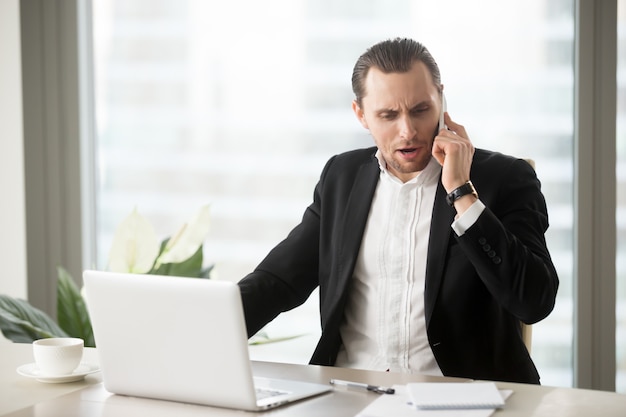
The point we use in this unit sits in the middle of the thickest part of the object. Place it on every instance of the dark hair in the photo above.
(393, 55)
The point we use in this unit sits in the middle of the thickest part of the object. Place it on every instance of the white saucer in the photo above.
(31, 370)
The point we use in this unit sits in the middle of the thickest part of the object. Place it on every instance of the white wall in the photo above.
(12, 214)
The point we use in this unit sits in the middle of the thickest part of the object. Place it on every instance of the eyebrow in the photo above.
(392, 110)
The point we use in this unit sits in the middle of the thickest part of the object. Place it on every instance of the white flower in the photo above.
(188, 239)
(135, 246)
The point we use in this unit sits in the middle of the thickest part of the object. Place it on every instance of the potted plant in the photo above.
(135, 249)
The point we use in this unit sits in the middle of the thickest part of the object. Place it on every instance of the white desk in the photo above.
(20, 396)
(18, 392)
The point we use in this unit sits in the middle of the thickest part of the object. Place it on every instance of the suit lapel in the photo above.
(355, 219)
(442, 218)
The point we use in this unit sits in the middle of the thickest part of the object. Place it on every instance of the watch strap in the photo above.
(465, 189)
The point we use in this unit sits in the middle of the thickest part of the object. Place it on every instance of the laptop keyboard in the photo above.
(262, 393)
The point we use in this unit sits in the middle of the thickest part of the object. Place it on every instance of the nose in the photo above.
(407, 130)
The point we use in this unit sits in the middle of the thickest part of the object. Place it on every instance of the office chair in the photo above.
(527, 330)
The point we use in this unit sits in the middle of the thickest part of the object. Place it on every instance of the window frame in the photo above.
(595, 112)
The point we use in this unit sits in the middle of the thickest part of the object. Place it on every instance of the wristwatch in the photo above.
(465, 189)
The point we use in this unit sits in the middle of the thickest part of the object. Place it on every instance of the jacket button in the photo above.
(486, 248)
(482, 241)
(496, 260)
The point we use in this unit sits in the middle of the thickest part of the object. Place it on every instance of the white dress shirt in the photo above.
(384, 326)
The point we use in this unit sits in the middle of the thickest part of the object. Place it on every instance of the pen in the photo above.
(374, 388)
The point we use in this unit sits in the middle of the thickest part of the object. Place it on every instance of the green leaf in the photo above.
(23, 323)
(192, 267)
(71, 309)
(262, 338)
(206, 272)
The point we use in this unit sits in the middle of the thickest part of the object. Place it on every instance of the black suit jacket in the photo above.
(478, 286)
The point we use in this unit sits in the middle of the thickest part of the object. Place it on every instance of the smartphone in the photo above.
(444, 108)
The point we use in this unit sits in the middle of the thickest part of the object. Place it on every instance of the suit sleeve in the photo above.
(289, 273)
(507, 246)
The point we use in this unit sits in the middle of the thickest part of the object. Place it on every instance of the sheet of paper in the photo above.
(398, 405)
(454, 395)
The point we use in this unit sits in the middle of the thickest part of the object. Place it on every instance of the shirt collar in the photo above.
(430, 173)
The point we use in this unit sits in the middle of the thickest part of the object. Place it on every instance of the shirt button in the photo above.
(486, 248)
(482, 241)
(491, 253)
(496, 260)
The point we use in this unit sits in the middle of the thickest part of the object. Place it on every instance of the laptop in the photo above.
(180, 339)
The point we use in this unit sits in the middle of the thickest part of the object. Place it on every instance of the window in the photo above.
(240, 104)
(620, 334)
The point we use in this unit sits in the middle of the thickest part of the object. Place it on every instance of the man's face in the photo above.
(401, 111)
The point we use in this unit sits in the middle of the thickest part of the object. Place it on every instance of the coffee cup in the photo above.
(58, 355)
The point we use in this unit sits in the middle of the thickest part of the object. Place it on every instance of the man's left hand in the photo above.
(454, 152)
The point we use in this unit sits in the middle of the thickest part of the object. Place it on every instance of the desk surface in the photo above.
(20, 396)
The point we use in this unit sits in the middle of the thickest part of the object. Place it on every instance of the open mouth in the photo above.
(409, 153)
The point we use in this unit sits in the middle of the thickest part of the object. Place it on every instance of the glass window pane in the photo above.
(240, 104)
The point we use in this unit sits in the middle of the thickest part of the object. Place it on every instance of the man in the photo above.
(428, 253)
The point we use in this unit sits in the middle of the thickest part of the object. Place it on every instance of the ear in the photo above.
(358, 111)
